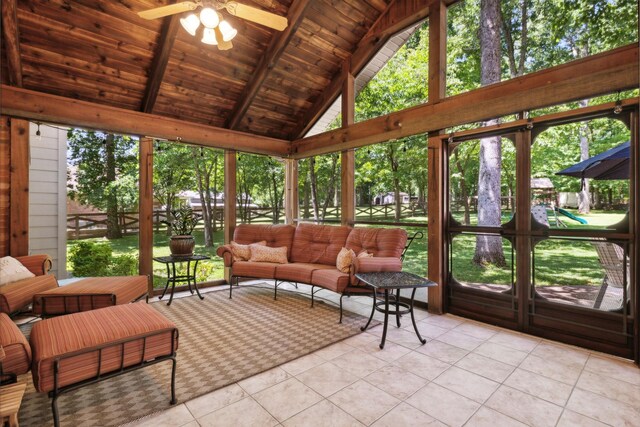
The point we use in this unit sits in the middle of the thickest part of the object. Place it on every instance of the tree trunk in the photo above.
(314, 188)
(584, 197)
(489, 248)
(332, 185)
(113, 224)
(201, 191)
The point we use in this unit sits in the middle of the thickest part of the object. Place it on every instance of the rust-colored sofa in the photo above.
(16, 296)
(312, 251)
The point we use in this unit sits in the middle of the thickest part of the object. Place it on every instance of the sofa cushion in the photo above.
(11, 270)
(277, 235)
(330, 279)
(381, 242)
(243, 252)
(260, 253)
(318, 244)
(16, 348)
(299, 271)
(259, 270)
(17, 295)
(344, 260)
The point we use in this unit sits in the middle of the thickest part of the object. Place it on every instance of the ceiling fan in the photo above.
(216, 30)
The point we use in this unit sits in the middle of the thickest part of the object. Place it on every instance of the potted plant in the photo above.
(182, 223)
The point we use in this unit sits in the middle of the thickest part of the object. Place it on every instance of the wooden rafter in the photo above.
(29, 104)
(278, 44)
(595, 75)
(12, 41)
(399, 15)
(160, 61)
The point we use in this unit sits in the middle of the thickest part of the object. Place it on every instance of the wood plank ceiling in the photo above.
(101, 51)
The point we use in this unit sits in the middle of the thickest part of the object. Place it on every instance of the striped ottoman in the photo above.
(15, 353)
(89, 294)
(84, 348)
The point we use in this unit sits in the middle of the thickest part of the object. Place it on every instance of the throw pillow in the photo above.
(243, 252)
(345, 259)
(12, 270)
(261, 253)
(365, 254)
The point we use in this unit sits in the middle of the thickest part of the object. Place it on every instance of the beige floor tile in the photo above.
(334, 350)
(406, 415)
(476, 330)
(443, 321)
(487, 417)
(537, 385)
(243, 413)
(361, 339)
(396, 381)
(358, 363)
(443, 404)
(287, 398)
(551, 368)
(322, 414)
(215, 400)
(573, 419)
(603, 409)
(427, 330)
(264, 380)
(175, 416)
(501, 353)
(442, 351)
(458, 339)
(327, 378)
(617, 369)
(614, 389)
(389, 353)
(364, 401)
(515, 341)
(486, 367)
(467, 384)
(564, 354)
(422, 365)
(302, 364)
(524, 407)
(404, 337)
(191, 424)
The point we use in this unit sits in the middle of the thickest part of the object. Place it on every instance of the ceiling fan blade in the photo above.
(258, 16)
(171, 9)
(222, 45)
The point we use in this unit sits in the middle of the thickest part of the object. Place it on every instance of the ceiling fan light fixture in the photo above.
(209, 36)
(190, 23)
(228, 32)
(209, 17)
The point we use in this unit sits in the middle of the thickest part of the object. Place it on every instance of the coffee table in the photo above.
(189, 277)
(388, 282)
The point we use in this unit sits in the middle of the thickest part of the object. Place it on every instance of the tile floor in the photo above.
(467, 374)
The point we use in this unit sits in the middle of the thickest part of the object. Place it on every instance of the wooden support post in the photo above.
(19, 199)
(634, 229)
(229, 201)
(145, 212)
(5, 184)
(347, 157)
(290, 191)
(522, 244)
(436, 211)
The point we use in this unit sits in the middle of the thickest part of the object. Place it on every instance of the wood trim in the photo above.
(145, 215)
(634, 215)
(168, 34)
(5, 184)
(19, 199)
(12, 41)
(277, 45)
(436, 238)
(399, 15)
(291, 191)
(595, 75)
(230, 193)
(40, 106)
(523, 226)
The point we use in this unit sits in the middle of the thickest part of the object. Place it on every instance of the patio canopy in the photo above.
(611, 164)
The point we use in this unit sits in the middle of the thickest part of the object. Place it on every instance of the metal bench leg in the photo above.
(173, 381)
(54, 408)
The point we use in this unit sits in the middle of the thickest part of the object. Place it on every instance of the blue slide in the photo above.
(572, 216)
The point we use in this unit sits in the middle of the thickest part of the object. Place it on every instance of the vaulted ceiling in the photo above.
(270, 83)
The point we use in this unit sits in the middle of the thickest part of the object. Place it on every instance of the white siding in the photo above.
(48, 195)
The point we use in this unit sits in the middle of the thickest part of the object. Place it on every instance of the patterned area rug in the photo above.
(221, 341)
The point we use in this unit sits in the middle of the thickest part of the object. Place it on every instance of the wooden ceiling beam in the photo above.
(595, 75)
(267, 62)
(33, 105)
(12, 41)
(399, 15)
(160, 60)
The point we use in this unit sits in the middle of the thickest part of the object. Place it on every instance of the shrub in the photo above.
(124, 265)
(90, 259)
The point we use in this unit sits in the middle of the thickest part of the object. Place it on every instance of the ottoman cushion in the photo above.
(17, 295)
(80, 335)
(16, 348)
(90, 294)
